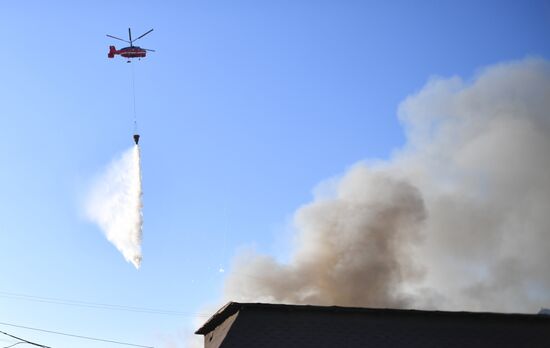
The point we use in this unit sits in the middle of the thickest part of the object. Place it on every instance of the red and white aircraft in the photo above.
(130, 51)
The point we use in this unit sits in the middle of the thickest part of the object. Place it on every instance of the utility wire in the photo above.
(70, 335)
(16, 343)
(22, 340)
(96, 305)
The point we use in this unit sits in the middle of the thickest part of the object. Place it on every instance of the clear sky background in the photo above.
(245, 107)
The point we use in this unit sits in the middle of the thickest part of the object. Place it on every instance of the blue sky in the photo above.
(245, 107)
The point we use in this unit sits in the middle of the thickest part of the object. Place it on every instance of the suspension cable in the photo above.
(134, 97)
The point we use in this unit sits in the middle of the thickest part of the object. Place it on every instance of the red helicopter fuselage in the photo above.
(127, 52)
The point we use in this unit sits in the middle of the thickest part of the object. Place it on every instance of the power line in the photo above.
(22, 340)
(72, 335)
(16, 343)
(96, 305)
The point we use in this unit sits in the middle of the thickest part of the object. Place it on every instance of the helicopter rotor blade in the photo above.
(143, 35)
(114, 37)
(130, 36)
(148, 50)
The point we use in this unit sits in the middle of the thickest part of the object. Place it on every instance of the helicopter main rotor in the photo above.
(131, 42)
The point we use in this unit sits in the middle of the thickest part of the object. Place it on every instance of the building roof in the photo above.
(233, 307)
(280, 325)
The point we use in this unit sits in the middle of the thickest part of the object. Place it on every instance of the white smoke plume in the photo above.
(115, 203)
(457, 219)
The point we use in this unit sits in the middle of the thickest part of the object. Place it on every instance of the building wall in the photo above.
(261, 327)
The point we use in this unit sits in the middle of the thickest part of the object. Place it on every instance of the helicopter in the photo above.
(130, 51)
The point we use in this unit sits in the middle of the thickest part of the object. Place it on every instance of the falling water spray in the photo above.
(115, 204)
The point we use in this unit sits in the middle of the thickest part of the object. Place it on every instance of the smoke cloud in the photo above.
(456, 219)
(114, 204)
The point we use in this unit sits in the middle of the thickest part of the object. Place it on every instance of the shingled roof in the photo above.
(278, 325)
